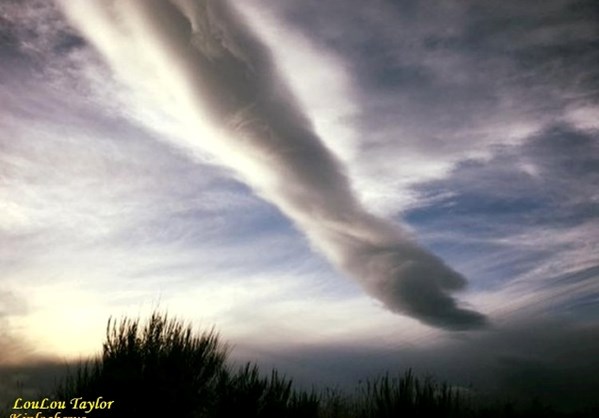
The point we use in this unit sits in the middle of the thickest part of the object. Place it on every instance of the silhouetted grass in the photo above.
(162, 369)
(248, 394)
(408, 395)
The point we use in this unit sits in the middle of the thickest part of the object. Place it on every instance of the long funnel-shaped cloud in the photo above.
(200, 55)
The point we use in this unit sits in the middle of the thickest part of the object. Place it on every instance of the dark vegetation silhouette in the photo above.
(163, 369)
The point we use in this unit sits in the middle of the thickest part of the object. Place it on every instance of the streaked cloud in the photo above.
(219, 72)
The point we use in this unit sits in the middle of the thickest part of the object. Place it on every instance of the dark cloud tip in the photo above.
(447, 315)
(463, 320)
(421, 288)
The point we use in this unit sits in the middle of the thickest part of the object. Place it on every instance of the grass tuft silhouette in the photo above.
(161, 368)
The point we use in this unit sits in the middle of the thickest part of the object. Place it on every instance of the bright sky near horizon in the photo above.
(339, 189)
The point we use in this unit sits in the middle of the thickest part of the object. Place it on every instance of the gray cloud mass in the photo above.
(231, 80)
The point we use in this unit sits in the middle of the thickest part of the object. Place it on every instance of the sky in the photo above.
(340, 189)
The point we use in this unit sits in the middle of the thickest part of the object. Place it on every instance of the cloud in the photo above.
(436, 86)
(524, 221)
(215, 70)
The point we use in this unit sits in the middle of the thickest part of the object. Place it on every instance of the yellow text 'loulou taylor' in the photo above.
(75, 403)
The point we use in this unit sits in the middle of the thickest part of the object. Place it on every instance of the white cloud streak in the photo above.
(199, 60)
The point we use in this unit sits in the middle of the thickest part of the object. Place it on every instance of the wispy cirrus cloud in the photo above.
(530, 215)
